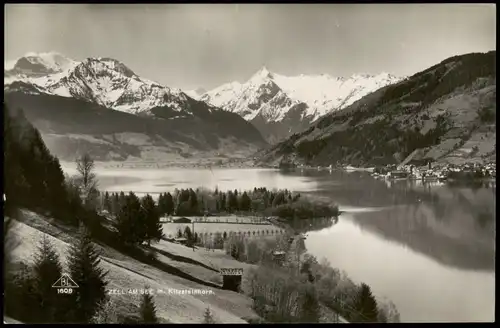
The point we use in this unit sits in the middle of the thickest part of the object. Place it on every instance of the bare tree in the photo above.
(88, 182)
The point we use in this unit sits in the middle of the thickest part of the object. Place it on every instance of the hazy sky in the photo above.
(202, 45)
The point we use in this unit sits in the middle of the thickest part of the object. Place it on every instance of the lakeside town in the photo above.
(430, 172)
(438, 172)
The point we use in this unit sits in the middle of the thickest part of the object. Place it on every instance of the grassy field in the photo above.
(214, 258)
(170, 229)
(125, 273)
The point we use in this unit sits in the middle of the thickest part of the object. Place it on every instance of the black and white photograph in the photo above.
(249, 163)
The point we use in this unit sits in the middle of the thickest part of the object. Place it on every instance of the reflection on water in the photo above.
(428, 247)
(423, 290)
(302, 226)
(453, 224)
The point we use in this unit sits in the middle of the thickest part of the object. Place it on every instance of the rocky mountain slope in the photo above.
(102, 106)
(280, 106)
(446, 113)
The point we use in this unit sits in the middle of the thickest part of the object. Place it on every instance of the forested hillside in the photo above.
(445, 113)
(33, 178)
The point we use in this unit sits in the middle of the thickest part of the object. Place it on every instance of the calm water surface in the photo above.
(430, 249)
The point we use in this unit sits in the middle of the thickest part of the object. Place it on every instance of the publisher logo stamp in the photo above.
(65, 284)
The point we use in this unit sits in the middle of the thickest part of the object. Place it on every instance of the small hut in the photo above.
(231, 278)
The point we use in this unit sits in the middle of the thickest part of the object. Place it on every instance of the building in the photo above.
(397, 175)
(182, 241)
(231, 278)
(279, 257)
(182, 220)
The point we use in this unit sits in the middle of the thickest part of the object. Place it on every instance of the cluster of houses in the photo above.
(436, 172)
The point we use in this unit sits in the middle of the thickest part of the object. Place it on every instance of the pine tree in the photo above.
(223, 202)
(47, 270)
(83, 265)
(115, 203)
(147, 309)
(122, 199)
(188, 234)
(202, 205)
(365, 306)
(161, 204)
(153, 228)
(208, 317)
(169, 204)
(193, 202)
(130, 221)
(245, 202)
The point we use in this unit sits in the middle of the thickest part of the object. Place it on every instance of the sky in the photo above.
(205, 45)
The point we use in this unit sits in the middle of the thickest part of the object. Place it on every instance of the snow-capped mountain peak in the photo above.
(102, 80)
(111, 64)
(294, 101)
(320, 93)
(262, 74)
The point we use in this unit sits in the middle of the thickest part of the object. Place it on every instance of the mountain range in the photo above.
(280, 105)
(446, 113)
(101, 106)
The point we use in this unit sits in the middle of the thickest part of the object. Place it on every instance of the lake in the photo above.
(428, 248)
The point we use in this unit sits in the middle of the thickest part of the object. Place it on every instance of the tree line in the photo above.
(138, 220)
(189, 202)
(33, 178)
